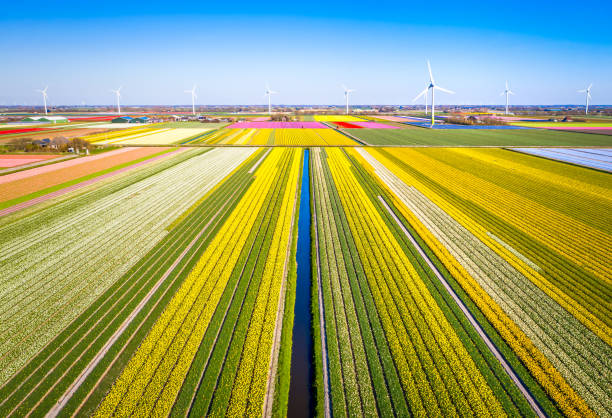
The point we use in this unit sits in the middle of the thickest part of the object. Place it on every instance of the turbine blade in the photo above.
(444, 90)
(590, 85)
(502, 93)
(511, 92)
(420, 94)
(430, 73)
(582, 91)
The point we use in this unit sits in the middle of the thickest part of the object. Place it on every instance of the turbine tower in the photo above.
(507, 92)
(118, 94)
(269, 93)
(433, 87)
(347, 91)
(193, 97)
(588, 97)
(44, 94)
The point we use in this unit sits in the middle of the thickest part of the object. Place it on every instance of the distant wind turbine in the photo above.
(118, 94)
(347, 91)
(424, 92)
(44, 94)
(433, 87)
(507, 92)
(269, 93)
(588, 97)
(193, 97)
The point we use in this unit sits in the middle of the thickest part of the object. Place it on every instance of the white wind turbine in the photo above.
(347, 91)
(193, 97)
(424, 92)
(269, 93)
(507, 92)
(44, 94)
(433, 87)
(118, 94)
(588, 97)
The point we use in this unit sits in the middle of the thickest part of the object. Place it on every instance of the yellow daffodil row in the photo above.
(571, 238)
(251, 380)
(572, 178)
(225, 136)
(337, 118)
(539, 365)
(438, 375)
(119, 133)
(310, 137)
(151, 380)
(584, 309)
(261, 137)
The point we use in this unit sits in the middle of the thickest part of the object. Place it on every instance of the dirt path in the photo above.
(507, 368)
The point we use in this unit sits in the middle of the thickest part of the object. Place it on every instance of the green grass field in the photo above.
(477, 137)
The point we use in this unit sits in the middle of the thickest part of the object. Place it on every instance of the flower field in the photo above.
(276, 136)
(337, 118)
(9, 161)
(518, 265)
(153, 280)
(28, 184)
(600, 159)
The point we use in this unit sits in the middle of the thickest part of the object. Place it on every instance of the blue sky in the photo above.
(305, 50)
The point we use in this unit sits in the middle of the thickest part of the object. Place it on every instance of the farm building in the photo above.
(122, 119)
(129, 119)
(54, 119)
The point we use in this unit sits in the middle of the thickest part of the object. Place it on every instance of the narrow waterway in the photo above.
(300, 399)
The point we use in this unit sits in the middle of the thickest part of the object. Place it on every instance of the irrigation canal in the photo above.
(300, 397)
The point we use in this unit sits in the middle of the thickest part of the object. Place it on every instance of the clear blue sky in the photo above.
(305, 50)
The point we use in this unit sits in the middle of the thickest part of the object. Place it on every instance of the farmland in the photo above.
(494, 138)
(159, 278)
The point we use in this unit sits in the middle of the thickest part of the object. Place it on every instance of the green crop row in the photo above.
(478, 137)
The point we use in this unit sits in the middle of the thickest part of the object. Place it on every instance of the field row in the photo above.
(168, 288)
(522, 246)
(288, 137)
(67, 340)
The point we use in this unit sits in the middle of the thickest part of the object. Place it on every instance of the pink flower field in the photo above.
(9, 161)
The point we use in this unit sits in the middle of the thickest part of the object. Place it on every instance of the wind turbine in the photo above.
(269, 93)
(193, 97)
(507, 92)
(588, 97)
(44, 94)
(424, 92)
(433, 86)
(347, 91)
(118, 94)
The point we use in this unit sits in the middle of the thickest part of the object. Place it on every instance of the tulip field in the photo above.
(159, 278)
